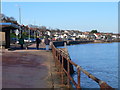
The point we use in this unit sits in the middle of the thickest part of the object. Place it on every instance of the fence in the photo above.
(64, 62)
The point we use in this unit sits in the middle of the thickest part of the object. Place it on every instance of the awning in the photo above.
(8, 25)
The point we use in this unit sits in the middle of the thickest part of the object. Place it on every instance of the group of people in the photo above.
(38, 41)
(46, 41)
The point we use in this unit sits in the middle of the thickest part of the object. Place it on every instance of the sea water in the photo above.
(99, 59)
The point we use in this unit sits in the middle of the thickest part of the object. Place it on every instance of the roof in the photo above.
(98, 33)
(7, 25)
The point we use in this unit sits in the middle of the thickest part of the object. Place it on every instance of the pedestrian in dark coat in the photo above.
(38, 41)
(47, 42)
(21, 42)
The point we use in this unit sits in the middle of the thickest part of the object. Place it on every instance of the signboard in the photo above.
(17, 32)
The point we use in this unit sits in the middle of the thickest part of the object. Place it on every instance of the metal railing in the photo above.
(60, 57)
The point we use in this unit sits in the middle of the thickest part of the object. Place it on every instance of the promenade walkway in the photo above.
(29, 69)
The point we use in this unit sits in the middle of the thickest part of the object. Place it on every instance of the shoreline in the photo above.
(68, 43)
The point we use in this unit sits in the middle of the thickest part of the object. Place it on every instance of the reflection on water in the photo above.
(100, 59)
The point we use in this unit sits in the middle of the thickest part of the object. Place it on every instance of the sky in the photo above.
(83, 16)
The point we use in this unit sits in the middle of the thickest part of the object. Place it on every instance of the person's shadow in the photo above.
(33, 48)
(25, 48)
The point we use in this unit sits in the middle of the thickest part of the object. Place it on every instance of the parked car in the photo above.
(30, 40)
(14, 40)
(26, 40)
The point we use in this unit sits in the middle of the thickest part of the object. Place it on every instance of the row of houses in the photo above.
(78, 35)
(56, 34)
(30, 31)
(10, 26)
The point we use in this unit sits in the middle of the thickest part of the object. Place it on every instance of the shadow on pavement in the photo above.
(29, 48)
(32, 48)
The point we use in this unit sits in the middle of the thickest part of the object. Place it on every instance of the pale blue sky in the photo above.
(83, 16)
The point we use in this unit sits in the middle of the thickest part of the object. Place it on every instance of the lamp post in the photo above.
(20, 18)
(19, 14)
(34, 34)
(29, 34)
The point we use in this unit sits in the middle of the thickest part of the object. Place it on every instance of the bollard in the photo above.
(65, 44)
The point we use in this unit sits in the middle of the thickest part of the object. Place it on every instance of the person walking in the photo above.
(38, 41)
(47, 42)
(21, 42)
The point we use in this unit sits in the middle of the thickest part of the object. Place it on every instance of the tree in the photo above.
(43, 28)
(12, 19)
(25, 35)
(94, 31)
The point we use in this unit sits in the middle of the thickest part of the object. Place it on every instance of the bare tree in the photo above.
(43, 28)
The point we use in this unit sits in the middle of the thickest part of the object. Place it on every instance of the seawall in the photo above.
(62, 43)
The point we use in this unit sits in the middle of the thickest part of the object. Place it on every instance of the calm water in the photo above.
(100, 59)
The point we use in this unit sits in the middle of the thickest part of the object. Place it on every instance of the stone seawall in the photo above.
(64, 52)
(62, 43)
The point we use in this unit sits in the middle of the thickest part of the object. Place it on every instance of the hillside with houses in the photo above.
(29, 32)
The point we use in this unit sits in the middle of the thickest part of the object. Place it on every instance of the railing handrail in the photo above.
(101, 83)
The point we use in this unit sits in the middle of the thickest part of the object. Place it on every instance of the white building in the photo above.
(48, 33)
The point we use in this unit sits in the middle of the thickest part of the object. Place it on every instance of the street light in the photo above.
(19, 18)
(19, 13)
(29, 35)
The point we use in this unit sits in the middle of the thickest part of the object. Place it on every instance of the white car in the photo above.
(17, 42)
(26, 40)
